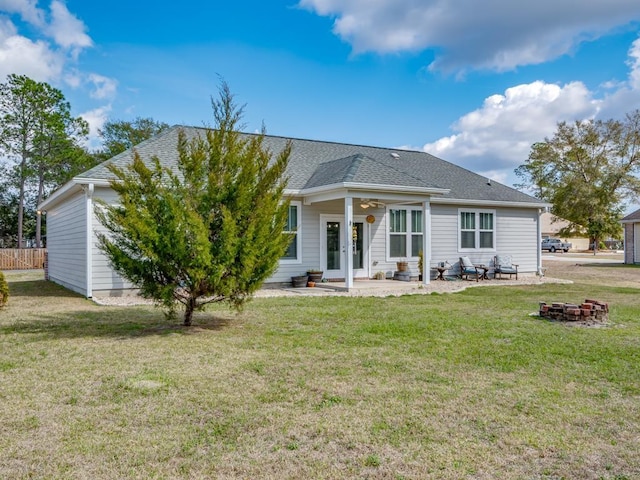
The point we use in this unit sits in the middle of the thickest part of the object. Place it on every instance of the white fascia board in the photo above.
(387, 192)
(492, 203)
(98, 182)
(60, 194)
(72, 186)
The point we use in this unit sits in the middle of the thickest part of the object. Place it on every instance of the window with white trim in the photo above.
(477, 230)
(293, 252)
(404, 239)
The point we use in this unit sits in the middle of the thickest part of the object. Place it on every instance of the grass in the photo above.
(459, 386)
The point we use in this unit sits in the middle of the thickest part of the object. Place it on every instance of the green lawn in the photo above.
(457, 386)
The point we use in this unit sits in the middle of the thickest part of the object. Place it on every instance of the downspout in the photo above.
(89, 238)
(539, 242)
(426, 242)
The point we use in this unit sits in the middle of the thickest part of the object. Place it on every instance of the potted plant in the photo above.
(420, 265)
(315, 274)
(299, 281)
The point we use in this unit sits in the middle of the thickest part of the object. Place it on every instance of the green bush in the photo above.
(4, 290)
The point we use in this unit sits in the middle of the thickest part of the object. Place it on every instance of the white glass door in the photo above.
(333, 247)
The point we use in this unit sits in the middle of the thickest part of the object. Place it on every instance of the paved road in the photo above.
(584, 257)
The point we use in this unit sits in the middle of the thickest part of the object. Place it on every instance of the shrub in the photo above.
(4, 290)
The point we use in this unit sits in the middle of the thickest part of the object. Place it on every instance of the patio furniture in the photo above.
(483, 270)
(441, 268)
(467, 268)
(502, 264)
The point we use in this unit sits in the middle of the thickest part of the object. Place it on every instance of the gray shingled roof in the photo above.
(317, 163)
(632, 217)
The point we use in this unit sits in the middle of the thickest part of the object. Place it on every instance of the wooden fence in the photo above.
(22, 258)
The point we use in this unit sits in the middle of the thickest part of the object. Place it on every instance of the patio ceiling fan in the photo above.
(367, 202)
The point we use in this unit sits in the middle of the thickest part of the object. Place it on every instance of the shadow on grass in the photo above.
(109, 322)
(40, 288)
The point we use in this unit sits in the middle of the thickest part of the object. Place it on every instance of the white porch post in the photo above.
(348, 232)
(426, 242)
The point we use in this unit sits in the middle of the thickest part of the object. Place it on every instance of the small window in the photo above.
(292, 254)
(476, 230)
(398, 233)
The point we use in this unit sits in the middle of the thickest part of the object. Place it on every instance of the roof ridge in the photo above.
(329, 142)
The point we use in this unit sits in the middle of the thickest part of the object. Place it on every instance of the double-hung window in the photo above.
(476, 230)
(293, 252)
(405, 232)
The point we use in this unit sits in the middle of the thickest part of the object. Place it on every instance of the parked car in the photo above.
(553, 244)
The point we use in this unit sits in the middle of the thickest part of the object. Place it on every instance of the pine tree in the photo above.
(210, 232)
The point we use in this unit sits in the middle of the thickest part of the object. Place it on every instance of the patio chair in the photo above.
(468, 268)
(502, 264)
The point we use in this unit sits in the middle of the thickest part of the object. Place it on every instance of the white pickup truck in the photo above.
(553, 244)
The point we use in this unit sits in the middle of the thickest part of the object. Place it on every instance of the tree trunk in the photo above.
(23, 181)
(21, 213)
(39, 215)
(188, 312)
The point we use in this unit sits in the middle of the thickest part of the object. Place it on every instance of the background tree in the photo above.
(120, 135)
(587, 170)
(210, 231)
(39, 134)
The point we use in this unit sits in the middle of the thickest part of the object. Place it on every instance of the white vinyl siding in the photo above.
(66, 243)
(516, 235)
(104, 278)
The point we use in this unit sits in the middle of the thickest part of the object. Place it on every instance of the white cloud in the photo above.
(96, 119)
(47, 53)
(500, 133)
(67, 30)
(27, 9)
(103, 87)
(634, 65)
(21, 55)
(500, 34)
(496, 138)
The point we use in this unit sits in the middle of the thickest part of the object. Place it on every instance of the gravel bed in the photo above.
(367, 288)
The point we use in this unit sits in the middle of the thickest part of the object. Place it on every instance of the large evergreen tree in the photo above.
(210, 231)
(39, 134)
(120, 135)
(587, 170)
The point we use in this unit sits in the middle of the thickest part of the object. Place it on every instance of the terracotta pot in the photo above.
(311, 284)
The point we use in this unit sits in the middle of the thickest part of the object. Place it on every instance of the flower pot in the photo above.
(402, 266)
(315, 276)
(311, 284)
(299, 281)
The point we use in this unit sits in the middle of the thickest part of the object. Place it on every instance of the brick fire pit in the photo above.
(589, 311)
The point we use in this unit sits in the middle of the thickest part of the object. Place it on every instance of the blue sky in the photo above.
(475, 83)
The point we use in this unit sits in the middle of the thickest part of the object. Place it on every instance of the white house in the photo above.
(355, 211)
(631, 224)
